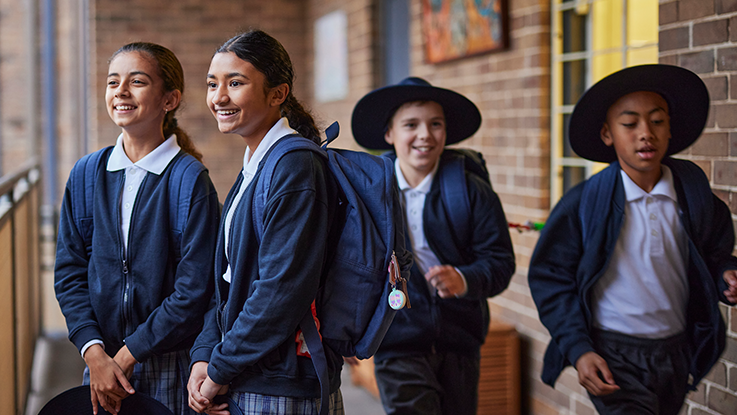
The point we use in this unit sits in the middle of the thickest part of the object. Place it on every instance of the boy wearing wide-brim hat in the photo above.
(428, 362)
(631, 264)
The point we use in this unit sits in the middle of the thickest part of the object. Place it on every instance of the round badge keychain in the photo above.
(397, 298)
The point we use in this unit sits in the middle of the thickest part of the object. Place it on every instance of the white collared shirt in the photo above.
(414, 204)
(644, 290)
(154, 162)
(250, 166)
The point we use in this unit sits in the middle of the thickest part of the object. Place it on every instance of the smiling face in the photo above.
(239, 99)
(135, 96)
(417, 132)
(638, 126)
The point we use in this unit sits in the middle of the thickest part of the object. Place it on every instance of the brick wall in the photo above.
(193, 29)
(16, 145)
(701, 35)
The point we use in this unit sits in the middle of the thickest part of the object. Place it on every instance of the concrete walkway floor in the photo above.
(57, 367)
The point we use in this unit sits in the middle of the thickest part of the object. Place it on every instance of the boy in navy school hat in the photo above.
(428, 362)
(631, 264)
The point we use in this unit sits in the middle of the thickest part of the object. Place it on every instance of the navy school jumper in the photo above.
(257, 314)
(487, 262)
(566, 264)
(158, 306)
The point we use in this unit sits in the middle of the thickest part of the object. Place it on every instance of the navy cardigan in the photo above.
(455, 324)
(249, 334)
(166, 296)
(578, 240)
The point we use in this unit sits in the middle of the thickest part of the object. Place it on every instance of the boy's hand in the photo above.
(446, 280)
(589, 366)
(108, 384)
(126, 361)
(196, 401)
(730, 277)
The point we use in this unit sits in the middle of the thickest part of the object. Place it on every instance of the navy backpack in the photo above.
(82, 179)
(352, 300)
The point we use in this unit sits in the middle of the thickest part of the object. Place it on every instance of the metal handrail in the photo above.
(8, 182)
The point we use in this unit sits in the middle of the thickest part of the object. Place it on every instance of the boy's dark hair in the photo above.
(171, 72)
(271, 59)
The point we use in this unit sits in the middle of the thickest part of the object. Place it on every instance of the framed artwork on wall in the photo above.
(454, 29)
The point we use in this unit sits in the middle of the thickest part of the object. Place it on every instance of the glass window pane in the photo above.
(574, 81)
(574, 32)
(607, 24)
(642, 22)
(606, 64)
(572, 176)
(642, 56)
(567, 150)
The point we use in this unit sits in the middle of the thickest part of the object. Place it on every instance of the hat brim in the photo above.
(683, 90)
(76, 401)
(372, 113)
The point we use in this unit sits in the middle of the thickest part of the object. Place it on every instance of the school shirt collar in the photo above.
(279, 130)
(425, 184)
(153, 162)
(664, 187)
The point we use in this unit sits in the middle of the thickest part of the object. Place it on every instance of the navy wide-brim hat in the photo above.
(683, 90)
(371, 114)
(76, 401)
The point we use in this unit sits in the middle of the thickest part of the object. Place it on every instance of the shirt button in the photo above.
(413, 212)
(414, 227)
(413, 195)
(654, 232)
(127, 205)
(649, 200)
(130, 188)
(652, 216)
(133, 170)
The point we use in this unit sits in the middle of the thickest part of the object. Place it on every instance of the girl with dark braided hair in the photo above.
(133, 283)
(251, 346)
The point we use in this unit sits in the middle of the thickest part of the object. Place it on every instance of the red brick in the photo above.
(699, 62)
(668, 12)
(733, 83)
(733, 370)
(698, 396)
(693, 9)
(725, 6)
(727, 59)
(697, 411)
(725, 172)
(673, 39)
(725, 115)
(721, 401)
(730, 352)
(711, 144)
(733, 29)
(732, 203)
(733, 144)
(718, 374)
(668, 60)
(707, 33)
(717, 87)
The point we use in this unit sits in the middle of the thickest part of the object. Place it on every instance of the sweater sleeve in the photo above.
(70, 277)
(180, 314)
(718, 252)
(553, 279)
(290, 261)
(489, 274)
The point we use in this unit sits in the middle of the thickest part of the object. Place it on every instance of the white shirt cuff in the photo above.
(90, 344)
(465, 284)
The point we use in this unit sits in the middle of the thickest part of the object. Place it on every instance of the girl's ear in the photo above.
(278, 94)
(172, 99)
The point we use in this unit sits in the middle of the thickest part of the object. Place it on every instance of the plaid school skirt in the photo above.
(163, 378)
(255, 404)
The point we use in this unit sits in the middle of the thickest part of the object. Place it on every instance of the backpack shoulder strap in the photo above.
(454, 193)
(185, 171)
(82, 186)
(284, 145)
